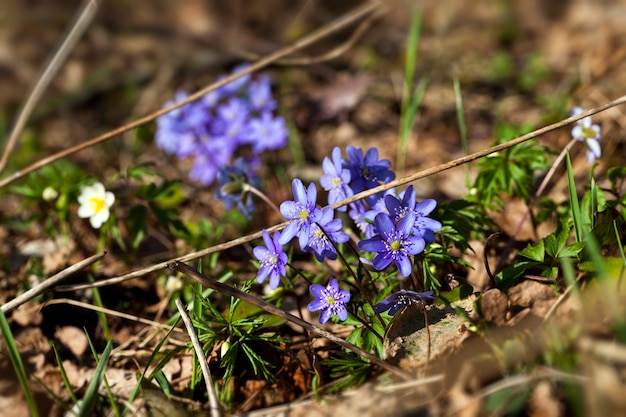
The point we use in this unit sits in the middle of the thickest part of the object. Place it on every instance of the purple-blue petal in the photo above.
(415, 245)
(289, 209)
(299, 192)
(425, 207)
(404, 265)
(342, 312)
(374, 244)
(288, 233)
(325, 315)
(384, 225)
(260, 252)
(382, 261)
(316, 290)
(315, 305)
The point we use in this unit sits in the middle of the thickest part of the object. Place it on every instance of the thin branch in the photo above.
(401, 181)
(321, 33)
(272, 309)
(50, 282)
(78, 28)
(110, 312)
(208, 380)
(332, 54)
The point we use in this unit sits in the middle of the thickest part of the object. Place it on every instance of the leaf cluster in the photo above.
(511, 171)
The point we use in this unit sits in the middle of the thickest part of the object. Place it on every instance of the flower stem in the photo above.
(354, 274)
(367, 325)
(263, 197)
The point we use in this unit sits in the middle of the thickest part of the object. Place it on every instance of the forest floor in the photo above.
(517, 63)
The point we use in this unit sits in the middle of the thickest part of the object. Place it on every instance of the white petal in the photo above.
(85, 211)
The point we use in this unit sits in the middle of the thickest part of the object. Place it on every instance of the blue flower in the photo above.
(212, 155)
(323, 233)
(234, 117)
(273, 260)
(236, 86)
(423, 226)
(235, 183)
(260, 94)
(393, 243)
(366, 171)
(171, 126)
(586, 131)
(266, 133)
(400, 299)
(302, 212)
(336, 179)
(368, 215)
(331, 300)
(210, 130)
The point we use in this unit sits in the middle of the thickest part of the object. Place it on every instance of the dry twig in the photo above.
(340, 23)
(272, 309)
(50, 282)
(399, 182)
(208, 380)
(78, 28)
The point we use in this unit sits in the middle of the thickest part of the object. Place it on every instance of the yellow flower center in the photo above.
(97, 204)
(330, 300)
(304, 215)
(589, 132)
(395, 245)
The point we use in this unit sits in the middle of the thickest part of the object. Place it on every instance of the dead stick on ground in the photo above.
(272, 309)
(401, 181)
(78, 28)
(208, 380)
(50, 282)
(340, 23)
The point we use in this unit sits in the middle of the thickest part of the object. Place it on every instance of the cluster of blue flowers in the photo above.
(396, 227)
(212, 129)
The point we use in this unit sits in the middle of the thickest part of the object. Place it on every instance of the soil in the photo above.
(517, 62)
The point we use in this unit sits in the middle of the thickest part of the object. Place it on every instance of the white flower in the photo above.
(585, 131)
(95, 202)
(173, 284)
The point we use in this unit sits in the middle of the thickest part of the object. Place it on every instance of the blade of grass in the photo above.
(64, 377)
(570, 276)
(619, 244)
(610, 295)
(151, 359)
(460, 116)
(594, 202)
(18, 365)
(573, 200)
(91, 395)
(410, 102)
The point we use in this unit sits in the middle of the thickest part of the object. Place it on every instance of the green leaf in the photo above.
(459, 293)
(556, 241)
(91, 395)
(138, 224)
(535, 252)
(572, 250)
(18, 365)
